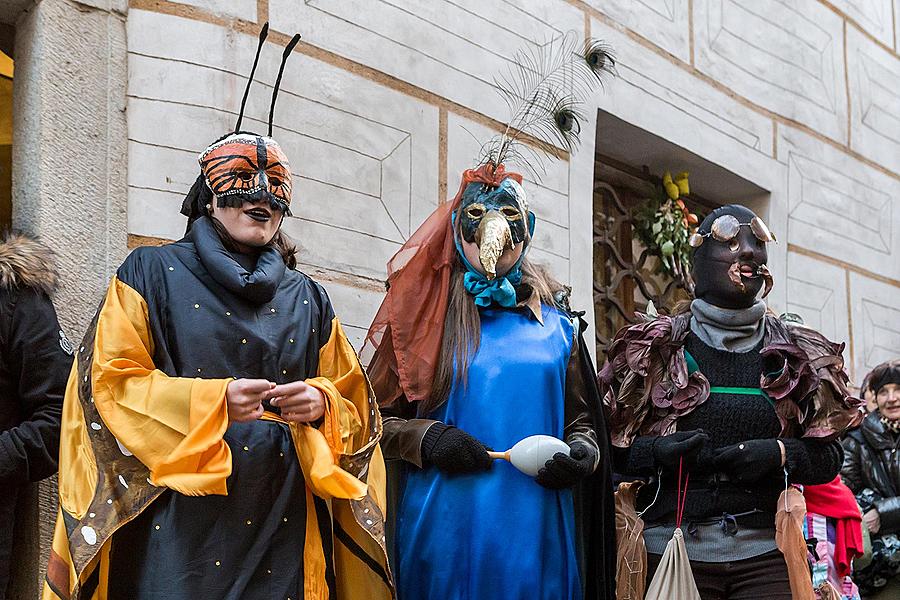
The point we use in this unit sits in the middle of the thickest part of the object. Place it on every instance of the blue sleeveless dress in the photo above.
(497, 534)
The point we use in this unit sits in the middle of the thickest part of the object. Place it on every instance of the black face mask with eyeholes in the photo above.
(713, 258)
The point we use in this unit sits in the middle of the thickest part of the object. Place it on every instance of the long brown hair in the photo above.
(282, 243)
(462, 329)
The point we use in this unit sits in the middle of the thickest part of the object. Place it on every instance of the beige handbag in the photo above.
(673, 578)
(789, 539)
(631, 553)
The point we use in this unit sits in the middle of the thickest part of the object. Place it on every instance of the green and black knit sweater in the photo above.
(729, 418)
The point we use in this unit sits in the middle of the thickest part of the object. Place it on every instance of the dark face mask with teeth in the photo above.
(731, 273)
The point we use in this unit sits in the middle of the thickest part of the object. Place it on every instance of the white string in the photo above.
(658, 486)
(785, 488)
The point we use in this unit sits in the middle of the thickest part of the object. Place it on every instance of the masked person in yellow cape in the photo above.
(219, 436)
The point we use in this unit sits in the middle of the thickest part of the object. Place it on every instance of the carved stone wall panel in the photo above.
(817, 292)
(364, 172)
(874, 76)
(452, 48)
(355, 305)
(551, 204)
(547, 189)
(240, 9)
(827, 200)
(875, 16)
(155, 213)
(897, 26)
(840, 206)
(672, 102)
(876, 323)
(666, 23)
(348, 195)
(559, 267)
(552, 238)
(324, 246)
(784, 55)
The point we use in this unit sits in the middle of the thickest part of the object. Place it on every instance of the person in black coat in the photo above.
(872, 471)
(35, 358)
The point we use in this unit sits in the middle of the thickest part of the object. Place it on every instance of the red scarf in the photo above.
(835, 501)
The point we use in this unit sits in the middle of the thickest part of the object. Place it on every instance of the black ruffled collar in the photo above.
(257, 287)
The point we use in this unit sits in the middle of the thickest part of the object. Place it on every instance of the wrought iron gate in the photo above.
(623, 285)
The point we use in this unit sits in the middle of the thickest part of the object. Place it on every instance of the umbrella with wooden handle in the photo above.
(530, 454)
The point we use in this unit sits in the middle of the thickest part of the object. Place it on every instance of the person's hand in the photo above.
(668, 450)
(565, 470)
(244, 398)
(452, 450)
(299, 402)
(748, 461)
(872, 521)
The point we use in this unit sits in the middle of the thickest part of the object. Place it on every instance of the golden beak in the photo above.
(493, 237)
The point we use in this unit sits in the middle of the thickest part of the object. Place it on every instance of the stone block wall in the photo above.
(115, 99)
(800, 98)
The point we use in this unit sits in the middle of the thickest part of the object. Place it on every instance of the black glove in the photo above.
(453, 450)
(565, 470)
(668, 450)
(748, 461)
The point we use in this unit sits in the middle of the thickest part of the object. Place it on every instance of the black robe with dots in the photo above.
(214, 314)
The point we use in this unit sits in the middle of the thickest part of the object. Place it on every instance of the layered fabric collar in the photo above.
(734, 330)
(807, 383)
(258, 286)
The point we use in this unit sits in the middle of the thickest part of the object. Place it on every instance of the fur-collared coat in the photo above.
(35, 358)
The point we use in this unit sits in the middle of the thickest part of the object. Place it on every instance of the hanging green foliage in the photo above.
(663, 224)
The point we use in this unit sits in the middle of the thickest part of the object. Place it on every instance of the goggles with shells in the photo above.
(727, 227)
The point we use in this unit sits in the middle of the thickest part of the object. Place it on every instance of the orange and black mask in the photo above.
(245, 167)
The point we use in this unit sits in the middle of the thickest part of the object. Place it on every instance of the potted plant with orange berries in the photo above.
(663, 224)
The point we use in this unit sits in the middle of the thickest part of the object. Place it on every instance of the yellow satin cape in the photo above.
(121, 446)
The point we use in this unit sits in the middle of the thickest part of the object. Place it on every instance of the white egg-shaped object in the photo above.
(530, 454)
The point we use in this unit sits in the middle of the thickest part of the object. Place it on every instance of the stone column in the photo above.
(69, 179)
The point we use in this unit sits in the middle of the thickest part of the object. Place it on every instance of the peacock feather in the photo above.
(545, 88)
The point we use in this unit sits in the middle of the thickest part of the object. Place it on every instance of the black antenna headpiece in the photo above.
(262, 38)
(287, 52)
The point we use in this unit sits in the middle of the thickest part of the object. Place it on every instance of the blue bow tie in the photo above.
(499, 289)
